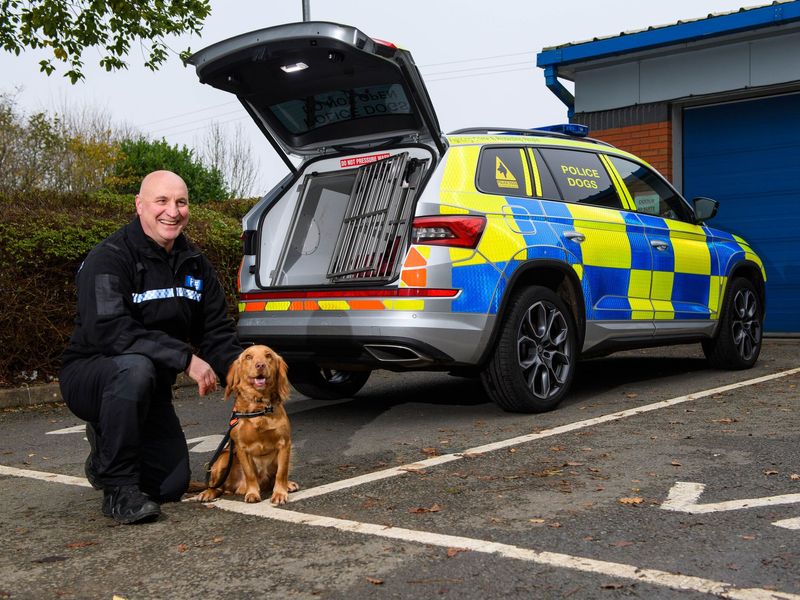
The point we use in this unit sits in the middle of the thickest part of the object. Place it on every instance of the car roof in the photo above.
(476, 136)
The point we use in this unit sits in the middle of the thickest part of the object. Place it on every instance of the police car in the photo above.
(493, 251)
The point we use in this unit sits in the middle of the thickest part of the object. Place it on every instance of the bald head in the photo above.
(163, 207)
(157, 180)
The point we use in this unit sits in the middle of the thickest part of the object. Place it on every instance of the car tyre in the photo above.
(533, 362)
(322, 383)
(738, 341)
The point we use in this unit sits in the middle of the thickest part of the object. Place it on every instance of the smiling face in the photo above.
(163, 207)
(261, 370)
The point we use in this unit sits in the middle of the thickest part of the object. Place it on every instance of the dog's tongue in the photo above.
(259, 381)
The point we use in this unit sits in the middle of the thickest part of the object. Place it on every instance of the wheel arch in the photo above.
(752, 272)
(555, 275)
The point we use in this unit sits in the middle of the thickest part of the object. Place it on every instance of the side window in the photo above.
(649, 192)
(580, 177)
(543, 184)
(504, 171)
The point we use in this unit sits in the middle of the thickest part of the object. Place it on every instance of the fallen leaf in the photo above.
(430, 451)
(115, 597)
(470, 454)
(631, 395)
(554, 525)
(747, 537)
(218, 539)
(770, 472)
(81, 544)
(725, 421)
(556, 448)
(537, 521)
(633, 500)
(612, 586)
(512, 450)
(375, 581)
(414, 469)
(422, 510)
(794, 477)
(451, 552)
(182, 547)
(675, 463)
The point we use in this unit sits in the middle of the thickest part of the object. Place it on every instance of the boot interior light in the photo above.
(300, 66)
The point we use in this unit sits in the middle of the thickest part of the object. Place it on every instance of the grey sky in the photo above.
(478, 60)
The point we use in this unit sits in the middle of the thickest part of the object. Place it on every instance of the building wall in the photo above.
(644, 130)
(730, 63)
(651, 142)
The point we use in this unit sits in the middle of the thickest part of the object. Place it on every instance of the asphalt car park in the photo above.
(656, 478)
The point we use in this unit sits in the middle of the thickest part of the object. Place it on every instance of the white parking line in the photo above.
(633, 573)
(54, 477)
(516, 441)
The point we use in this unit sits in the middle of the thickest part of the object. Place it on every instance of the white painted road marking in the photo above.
(684, 495)
(789, 523)
(445, 458)
(674, 581)
(54, 477)
(206, 443)
(76, 429)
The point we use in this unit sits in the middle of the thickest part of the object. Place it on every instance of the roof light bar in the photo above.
(575, 129)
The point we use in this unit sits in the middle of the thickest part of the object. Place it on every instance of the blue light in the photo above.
(575, 129)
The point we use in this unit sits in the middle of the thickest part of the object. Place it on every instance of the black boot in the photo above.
(127, 504)
(88, 466)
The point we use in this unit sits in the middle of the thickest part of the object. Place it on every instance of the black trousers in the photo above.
(139, 437)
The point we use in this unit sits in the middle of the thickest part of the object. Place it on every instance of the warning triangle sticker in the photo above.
(504, 177)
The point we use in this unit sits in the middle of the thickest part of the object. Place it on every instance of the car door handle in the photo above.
(575, 236)
(659, 245)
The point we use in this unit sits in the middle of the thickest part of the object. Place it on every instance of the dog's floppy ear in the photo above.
(282, 379)
(233, 379)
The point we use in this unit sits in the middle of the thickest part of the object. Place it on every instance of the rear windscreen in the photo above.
(305, 114)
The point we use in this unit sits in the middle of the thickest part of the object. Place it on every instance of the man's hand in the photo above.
(201, 372)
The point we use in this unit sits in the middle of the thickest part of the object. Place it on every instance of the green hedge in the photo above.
(43, 239)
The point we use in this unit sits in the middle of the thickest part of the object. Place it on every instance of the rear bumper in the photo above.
(395, 340)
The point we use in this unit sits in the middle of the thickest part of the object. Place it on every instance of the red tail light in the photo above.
(460, 231)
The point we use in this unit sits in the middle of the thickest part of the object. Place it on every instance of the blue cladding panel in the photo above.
(746, 155)
(478, 284)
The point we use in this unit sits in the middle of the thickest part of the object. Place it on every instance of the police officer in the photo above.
(146, 298)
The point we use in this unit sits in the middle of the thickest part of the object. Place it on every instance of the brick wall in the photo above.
(650, 141)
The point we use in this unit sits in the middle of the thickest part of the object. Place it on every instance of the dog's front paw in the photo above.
(252, 497)
(279, 497)
(208, 495)
(293, 486)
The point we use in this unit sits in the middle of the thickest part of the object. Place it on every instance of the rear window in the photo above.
(305, 114)
(504, 172)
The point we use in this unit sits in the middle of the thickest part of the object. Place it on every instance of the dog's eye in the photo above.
(248, 357)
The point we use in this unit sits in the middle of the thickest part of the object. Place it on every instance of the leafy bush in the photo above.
(141, 156)
(43, 239)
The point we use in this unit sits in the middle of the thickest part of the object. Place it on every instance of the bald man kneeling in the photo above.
(146, 298)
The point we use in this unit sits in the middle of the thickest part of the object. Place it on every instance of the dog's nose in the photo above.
(261, 365)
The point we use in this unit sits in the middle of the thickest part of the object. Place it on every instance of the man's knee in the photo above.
(135, 378)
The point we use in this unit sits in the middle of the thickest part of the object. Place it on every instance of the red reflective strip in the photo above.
(383, 293)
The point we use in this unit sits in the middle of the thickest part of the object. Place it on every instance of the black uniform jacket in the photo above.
(135, 298)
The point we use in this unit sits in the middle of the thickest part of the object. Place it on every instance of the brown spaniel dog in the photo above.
(261, 436)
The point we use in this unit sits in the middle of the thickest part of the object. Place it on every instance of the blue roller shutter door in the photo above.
(747, 155)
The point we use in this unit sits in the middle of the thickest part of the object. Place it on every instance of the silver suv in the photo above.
(493, 251)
